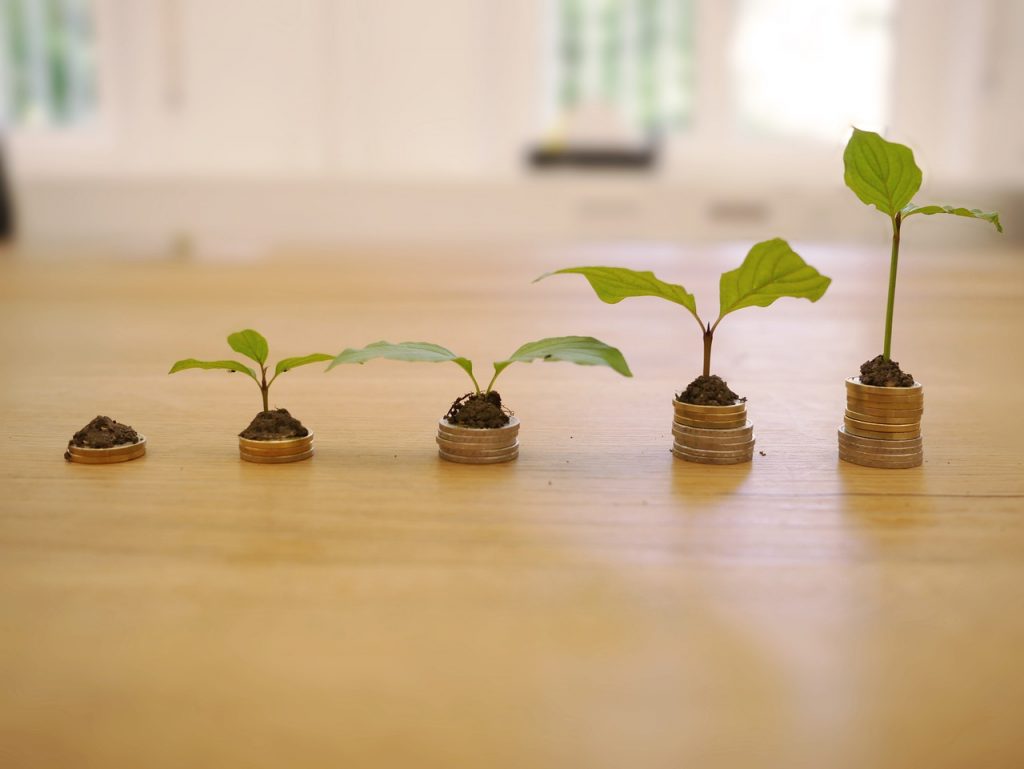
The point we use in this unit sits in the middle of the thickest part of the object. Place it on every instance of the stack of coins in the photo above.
(478, 445)
(882, 426)
(121, 453)
(276, 452)
(712, 435)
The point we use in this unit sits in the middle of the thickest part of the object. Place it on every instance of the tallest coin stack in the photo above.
(882, 426)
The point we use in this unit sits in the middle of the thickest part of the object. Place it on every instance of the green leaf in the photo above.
(771, 271)
(992, 217)
(882, 174)
(287, 364)
(230, 365)
(251, 344)
(415, 352)
(582, 350)
(613, 284)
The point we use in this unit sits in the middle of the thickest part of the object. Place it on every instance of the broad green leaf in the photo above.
(991, 217)
(407, 351)
(882, 174)
(771, 271)
(286, 364)
(613, 284)
(251, 344)
(582, 350)
(230, 365)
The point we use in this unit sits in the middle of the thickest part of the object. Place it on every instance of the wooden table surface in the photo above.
(596, 603)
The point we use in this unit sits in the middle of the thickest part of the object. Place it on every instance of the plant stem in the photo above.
(709, 336)
(265, 389)
(896, 222)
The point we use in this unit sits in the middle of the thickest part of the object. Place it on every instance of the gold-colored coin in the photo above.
(910, 418)
(725, 453)
(733, 433)
(477, 460)
(853, 385)
(880, 427)
(904, 436)
(479, 434)
(267, 459)
(476, 449)
(879, 444)
(699, 410)
(710, 425)
(700, 442)
(123, 453)
(871, 460)
(705, 460)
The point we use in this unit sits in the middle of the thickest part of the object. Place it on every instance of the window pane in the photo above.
(628, 63)
(49, 61)
(811, 68)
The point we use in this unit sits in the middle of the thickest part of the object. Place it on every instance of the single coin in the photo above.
(881, 451)
(730, 433)
(279, 451)
(714, 421)
(286, 445)
(869, 460)
(686, 449)
(879, 443)
(123, 453)
(475, 449)
(700, 442)
(705, 460)
(853, 384)
(881, 427)
(710, 424)
(264, 459)
(898, 418)
(477, 460)
(904, 436)
(699, 410)
(481, 434)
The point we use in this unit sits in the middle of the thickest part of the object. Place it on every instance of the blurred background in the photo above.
(238, 128)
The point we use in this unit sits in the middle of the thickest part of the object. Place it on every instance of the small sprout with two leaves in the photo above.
(883, 174)
(252, 345)
(771, 270)
(482, 407)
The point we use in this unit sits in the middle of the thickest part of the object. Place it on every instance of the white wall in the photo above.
(259, 123)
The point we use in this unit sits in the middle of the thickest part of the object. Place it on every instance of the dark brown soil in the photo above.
(483, 410)
(880, 372)
(102, 433)
(708, 391)
(276, 425)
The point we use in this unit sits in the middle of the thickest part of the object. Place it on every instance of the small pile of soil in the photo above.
(104, 433)
(708, 391)
(276, 425)
(880, 372)
(473, 410)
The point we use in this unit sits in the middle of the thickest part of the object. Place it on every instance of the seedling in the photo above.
(582, 350)
(252, 345)
(771, 270)
(883, 174)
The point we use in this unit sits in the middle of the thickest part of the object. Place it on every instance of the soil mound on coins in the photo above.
(708, 391)
(880, 372)
(275, 425)
(478, 410)
(104, 433)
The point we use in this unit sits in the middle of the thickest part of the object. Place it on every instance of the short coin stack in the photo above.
(122, 453)
(478, 445)
(882, 426)
(712, 435)
(276, 452)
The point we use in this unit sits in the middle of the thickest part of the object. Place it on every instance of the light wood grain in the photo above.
(596, 603)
